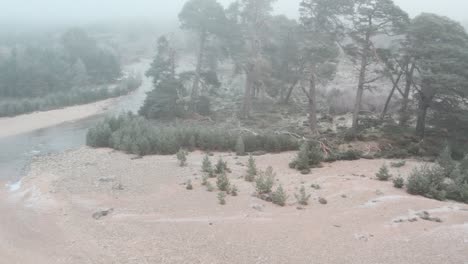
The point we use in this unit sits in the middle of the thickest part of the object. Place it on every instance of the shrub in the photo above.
(446, 162)
(222, 198)
(398, 164)
(209, 187)
(251, 170)
(189, 185)
(427, 181)
(240, 147)
(349, 155)
(399, 182)
(137, 135)
(222, 182)
(315, 186)
(207, 167)
(264, 183)
(182, 157)
(383, 174)
(279, 197)
(302, 197)
(309, 156)
(204, 180)
(221, 166)
(234, 191)
(98, 136)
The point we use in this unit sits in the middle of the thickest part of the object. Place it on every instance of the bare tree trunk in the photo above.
(312, 105)
(404, 107)
(196, 82)
(421, 123)
(390, 96)
(291, 89)
(360, 90)
(247, 104)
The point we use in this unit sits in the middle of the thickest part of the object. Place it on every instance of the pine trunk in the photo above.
(312, 105)
(196, 82)
(404, 116)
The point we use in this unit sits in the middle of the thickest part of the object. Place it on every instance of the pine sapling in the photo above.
(302, 197)
(383, 174)
(222, 198)
(189, 185)
(207, 167)
(251, 170)
(182, 157)
(279, 196)
(222, 181)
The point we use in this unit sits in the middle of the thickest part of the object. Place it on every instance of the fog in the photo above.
(86, 11)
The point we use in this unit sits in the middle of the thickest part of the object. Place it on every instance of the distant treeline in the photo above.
(70, 67)
(67, 98)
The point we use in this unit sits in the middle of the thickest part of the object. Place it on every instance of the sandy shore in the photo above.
(156, 220)
(30, 122)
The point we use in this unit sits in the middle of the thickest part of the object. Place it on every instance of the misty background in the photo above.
(72, 12)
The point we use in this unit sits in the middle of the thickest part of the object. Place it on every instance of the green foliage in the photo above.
(207, 167)
(234, 191)
(279, 196)
(302, 197)
(136, 135)
(163, 101)
(222, 181)
(182, 157)
(59, 99)
(34, 73)
(204, 180)
(251, 170)
(383, 174)
(315, 186)
(398, 182)
(398, 164)
(189, 185)
(309, 156)
(427, 181)
(446, 162)
(264, 183)
(209, 187)
(221, 166)
(222, 198)
(240, 147)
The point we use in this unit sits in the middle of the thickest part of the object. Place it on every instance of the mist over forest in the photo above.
(233, 131)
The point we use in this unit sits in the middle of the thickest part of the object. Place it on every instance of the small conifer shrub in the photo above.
(399, 182)
(302, 197)
(207, 167)
(383, 174)
(182, 157)
(222, 182)
(279, 196)
(251, 170)
(264, 183)
(222, 198)
(189, 185)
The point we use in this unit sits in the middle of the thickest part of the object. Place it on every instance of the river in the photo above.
(17, 152)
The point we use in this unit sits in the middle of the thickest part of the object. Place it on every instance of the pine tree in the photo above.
(251, 170)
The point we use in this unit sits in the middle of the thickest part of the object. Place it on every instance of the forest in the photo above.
(68, 70)
(265, 82)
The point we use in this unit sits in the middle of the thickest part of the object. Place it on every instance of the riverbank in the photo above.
(103, 206)
(25, 123)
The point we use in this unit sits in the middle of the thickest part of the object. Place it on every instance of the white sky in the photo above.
(57, 11)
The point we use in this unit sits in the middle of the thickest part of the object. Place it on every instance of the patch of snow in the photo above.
(13, 187)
